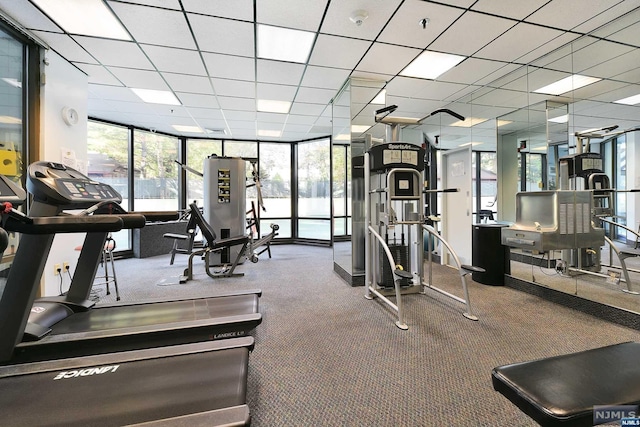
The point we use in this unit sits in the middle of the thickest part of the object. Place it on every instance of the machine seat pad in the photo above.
(562, 390)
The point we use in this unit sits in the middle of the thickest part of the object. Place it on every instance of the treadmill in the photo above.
(191, 384)
(70, 325)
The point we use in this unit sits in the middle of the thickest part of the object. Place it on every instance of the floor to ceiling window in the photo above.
(12, 120)
(155, 180)
(108, 162)
(275, 182)
(197, 151)
(314, 201)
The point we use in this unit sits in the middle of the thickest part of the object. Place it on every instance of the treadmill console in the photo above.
(60, 185)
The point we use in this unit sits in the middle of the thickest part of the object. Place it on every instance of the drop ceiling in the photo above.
(204, 51)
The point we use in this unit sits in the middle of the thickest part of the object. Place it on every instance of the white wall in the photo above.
(64, 86)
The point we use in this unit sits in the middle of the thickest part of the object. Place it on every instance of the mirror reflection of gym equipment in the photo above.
(394, 192)
(578, 219)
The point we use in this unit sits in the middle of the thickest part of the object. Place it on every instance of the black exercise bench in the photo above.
(563, 390)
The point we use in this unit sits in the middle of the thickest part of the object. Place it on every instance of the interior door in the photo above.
(457, 207)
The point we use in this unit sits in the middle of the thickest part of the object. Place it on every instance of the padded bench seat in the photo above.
(562, 390)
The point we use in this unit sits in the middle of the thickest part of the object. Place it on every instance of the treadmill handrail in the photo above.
(64, 224)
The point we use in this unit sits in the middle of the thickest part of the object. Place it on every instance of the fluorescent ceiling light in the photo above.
(156, 96)
(539, 148)
(85, 17)
(470, 143)
(503, 122)
(284, 44)
(342, 137)
(560, 119)
(359, 128)
(270, 133)
(380, 98)
(13, 82)
(567, 84)
(468, 122)
(632, 100)
(430, 65)
(271, 106)
(184, 128)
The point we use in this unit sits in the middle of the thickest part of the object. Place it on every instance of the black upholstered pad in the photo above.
(562, 390)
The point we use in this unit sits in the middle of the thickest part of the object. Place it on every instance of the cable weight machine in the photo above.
(394, 238)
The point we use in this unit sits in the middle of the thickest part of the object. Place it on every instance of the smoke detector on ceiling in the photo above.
(358, 17)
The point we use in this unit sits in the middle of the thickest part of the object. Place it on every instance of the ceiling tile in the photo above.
(28, 15)
(615, 67)
(620, 22)
(115, 52)
(323, 77)
(509, 8)
(230, 67)
(241, 115)
(271, 118)
(205, 113)
(550, 46)
(471, 33)
(304, 119)
(471, 70)
(597, 53)
(241, 104)
(275, 92)
(315, 96)
(142, 79)
(99, 75)
(165, 4)
(378, 57)
(193, 84)
(155, 26)
(405, 29)
(223, 35)
(279, 72)
(517, 42)
(568, 14)
(66, 47)
(175, 60)
(339, 52)
(298, 14)
(300, 109)
(112, 93)
(236, 9)
(234, 88)
(197, 100)
(337, 21)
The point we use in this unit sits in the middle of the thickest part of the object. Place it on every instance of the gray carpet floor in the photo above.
(326, 356)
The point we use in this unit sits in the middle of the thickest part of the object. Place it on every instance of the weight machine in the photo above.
(395, 223)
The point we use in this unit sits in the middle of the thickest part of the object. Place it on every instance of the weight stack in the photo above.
(400, 254)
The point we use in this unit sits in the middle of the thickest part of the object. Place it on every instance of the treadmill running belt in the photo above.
(98, 319)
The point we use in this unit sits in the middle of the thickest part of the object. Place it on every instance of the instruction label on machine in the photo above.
(224, 186)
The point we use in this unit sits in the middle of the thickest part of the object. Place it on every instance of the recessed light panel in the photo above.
(560, 119)
(359, 128)
(85, 17)
(468, 122)
(269, 133)
(284, 44)
(632, 100)
(567, 84)
(156, 96)
(430, 65)
(272, 106)
(190, 129)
